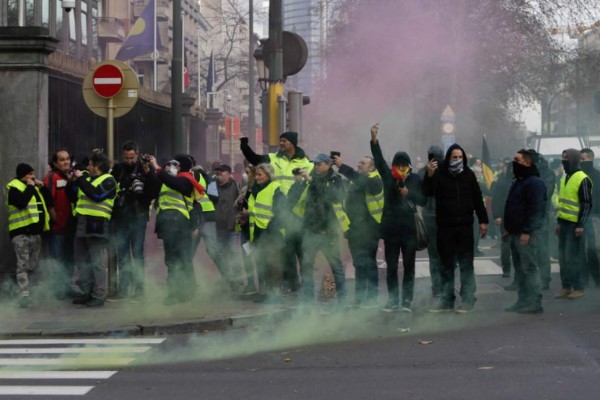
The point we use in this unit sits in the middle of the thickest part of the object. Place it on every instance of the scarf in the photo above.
(400, 174)
(456, 166)
(199, 192)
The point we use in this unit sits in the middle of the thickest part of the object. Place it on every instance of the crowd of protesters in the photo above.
(265, 236)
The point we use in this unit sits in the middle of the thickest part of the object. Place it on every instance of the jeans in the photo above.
(291, 254)
(129, 244)
(228, 245)
(504, 252)
(92, 264)
(266, 253)
(408, 245)
(455, 245)
(177, 243)
(363, 247)
(60, 248)
(543, 251)
(527, 273)
(208, 232)
(570, 256)
(328, 243)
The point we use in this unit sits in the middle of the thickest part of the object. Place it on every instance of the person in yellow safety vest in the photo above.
(289, 158)
(321, 205)
(364, 205)
(265, 206)
(178, 191)
(28, 201)
(95, 199)
(402, 189)
(574, 207)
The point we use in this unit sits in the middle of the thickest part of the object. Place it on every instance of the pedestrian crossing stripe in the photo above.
(64, 359)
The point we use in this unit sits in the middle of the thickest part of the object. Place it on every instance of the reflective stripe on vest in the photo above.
(375, 202)
(170, 199)
(260, 209)
(205, 202)
(87, 206)
(300, 206)
(283, 168)
(19, 218)
(341, 216)
(568, 199)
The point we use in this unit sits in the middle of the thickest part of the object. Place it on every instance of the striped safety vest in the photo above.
(169, 199)
(568, 198)
(300, 208)
(283, 168)
(89, 207)
(205, 202)
(260, 209)
(375, 202)
(20, 218)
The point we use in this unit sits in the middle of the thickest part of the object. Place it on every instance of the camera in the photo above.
(137, 184)
(68, 5)
(145, 157)
(297, 171)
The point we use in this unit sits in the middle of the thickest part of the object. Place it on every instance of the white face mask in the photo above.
(173, 171)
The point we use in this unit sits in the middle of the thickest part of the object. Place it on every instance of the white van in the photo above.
(551, 147)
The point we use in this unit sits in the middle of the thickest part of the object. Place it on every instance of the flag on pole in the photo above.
(488, 174)
(211, 78)
(186, 78)
(140, 40)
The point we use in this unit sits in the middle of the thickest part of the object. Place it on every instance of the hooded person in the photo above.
(574, 207)
(592, 229)
(458, 196)
(402, 194)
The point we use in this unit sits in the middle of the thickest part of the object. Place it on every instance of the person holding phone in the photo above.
(457, 196)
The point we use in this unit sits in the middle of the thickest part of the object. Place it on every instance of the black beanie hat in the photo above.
(23, 169)
(292, 137)
(185, 162)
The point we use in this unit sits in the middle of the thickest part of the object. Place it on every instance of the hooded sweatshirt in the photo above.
(457, 196)
(572, 165)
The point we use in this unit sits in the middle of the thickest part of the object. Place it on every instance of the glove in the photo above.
(244, 140)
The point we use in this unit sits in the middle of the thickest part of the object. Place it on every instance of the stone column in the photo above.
(213, 138)
(24, 118)
(187, 102)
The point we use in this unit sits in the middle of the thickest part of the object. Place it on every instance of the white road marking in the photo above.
(29, 342)
(56, 374)
(45, 390)
(71, 362)
(72, 350)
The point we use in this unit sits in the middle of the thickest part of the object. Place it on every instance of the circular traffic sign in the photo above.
(107, 80)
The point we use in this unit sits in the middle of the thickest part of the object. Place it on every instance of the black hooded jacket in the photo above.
(398, 218)
(457, 196)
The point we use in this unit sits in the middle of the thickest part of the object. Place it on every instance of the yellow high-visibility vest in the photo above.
(375, 202)
(205, 202)
(20, 218)
(283, 168)
(170, 199)
(86, 206)
(300, 209)
(568, 198)
(260, 209)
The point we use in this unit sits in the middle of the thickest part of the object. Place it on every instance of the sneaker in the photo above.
(515, 307)
(533, 309)
(24, 302)
(95, 302)
(390, 307)
(117, 297)
(81, 299)
(464, 308)
(441, 308)
(575, 294)
(406, 309)
(563, 293)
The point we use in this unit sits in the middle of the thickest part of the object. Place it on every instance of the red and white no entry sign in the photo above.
(107, 80)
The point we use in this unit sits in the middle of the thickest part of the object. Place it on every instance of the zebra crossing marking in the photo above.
(78, 353)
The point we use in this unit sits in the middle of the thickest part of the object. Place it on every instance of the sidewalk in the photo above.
(49, 317)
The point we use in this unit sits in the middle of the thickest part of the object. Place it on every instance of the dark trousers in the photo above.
(455, 245)
(129, 244)
(504, 251)
(291, 254)
(329, 244)
(527, 274)
(592, 247)
(363, 248)
(570, 256)
(435, 262)
(177, 242)
(266, 252)
(91, 259)
(408, 246)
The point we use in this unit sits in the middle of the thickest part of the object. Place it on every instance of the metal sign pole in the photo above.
(110, 125)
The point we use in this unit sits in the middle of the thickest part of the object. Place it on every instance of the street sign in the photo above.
(123, 102)
(107, 80)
